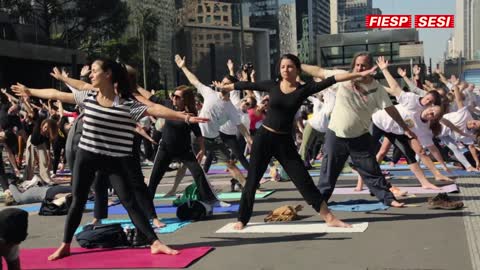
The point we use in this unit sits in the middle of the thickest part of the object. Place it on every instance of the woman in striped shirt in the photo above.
(107, 140)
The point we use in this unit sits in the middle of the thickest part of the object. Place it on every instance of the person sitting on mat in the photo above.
(36, 194)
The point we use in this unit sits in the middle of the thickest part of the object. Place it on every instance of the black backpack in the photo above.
(48, 208)
(193, 210)
(102, 236)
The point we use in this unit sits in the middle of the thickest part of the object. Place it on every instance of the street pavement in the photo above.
(409, 238)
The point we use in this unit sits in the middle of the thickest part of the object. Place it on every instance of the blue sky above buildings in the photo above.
(434, 40)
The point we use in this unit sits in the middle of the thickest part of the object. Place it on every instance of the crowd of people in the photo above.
(338, 117)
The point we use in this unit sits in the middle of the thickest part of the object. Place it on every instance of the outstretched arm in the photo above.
(392, 111)
(314, 71)
(438, 156)
(49, 93)
(190, 76)
(394, 89)
(450, 125)
(77, 84)
(160, 111)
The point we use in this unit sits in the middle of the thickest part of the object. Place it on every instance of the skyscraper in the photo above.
(313, 19)
(349, 15)
(467, 24)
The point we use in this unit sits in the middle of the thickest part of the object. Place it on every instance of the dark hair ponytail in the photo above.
(291, 57)
(119, 76)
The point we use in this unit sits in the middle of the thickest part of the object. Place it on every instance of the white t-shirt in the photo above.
(458, 119)
(413, 120)
(352, 114)
(410, 110)
(235, 98)
(230, 129)
(217, 110)
(320, 118)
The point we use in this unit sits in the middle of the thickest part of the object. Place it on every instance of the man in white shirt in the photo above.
(219, 109)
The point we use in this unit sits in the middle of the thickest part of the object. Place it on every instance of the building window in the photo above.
(225, 8)
(225, 18)
(217, 18)
(216, 8)
(200, 9)
(208, 19)
(200, 37)
(200, 19)
(209, 36)
(209, 9)
(226, 36)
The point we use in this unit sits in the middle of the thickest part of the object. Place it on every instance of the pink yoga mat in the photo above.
(110, 258)
(411, 190)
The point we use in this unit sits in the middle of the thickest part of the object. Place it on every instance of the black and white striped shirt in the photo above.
(108, 130)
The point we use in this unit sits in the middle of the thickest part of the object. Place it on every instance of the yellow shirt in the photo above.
(352, 114)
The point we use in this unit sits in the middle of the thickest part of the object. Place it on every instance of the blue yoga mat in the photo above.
(173, 224)
(357, 206)
(30, 208)
(168, 209)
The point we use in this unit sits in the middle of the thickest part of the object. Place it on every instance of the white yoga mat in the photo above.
(293, 227)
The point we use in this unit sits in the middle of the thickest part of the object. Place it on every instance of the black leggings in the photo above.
(137, 182)
(266, 145)
(400, 141)
(233, 144)
(163, 159)
(3, 177)
(85, 167)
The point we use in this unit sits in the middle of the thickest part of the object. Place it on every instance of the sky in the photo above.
(434, 40)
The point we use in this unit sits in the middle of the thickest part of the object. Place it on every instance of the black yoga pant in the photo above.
(136, 179)
(266, 145)
(53, 191)
(400, 141)
(85, 167)
(165, 157)
(233, 144)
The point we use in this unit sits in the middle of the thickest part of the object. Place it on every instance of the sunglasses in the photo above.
(246, 102)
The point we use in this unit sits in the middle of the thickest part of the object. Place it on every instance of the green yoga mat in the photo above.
(221, 196)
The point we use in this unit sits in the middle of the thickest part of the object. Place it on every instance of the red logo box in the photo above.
(388, 21)
(434, 21)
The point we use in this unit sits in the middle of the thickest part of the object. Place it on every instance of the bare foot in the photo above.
(333, 221)
(96, 221)
(471, 169)
(398, 192)
(61, 252)
(444, 178)
(158, 247)
(397, 204)
(358, 189)
(171, 193)
(431, 186)
(238, 226)
(158, 224)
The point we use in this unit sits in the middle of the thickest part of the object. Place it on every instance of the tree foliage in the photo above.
(82, 24)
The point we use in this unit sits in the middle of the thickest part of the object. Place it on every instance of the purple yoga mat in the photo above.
(410, 190)
(130, 258)
(168, 209)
